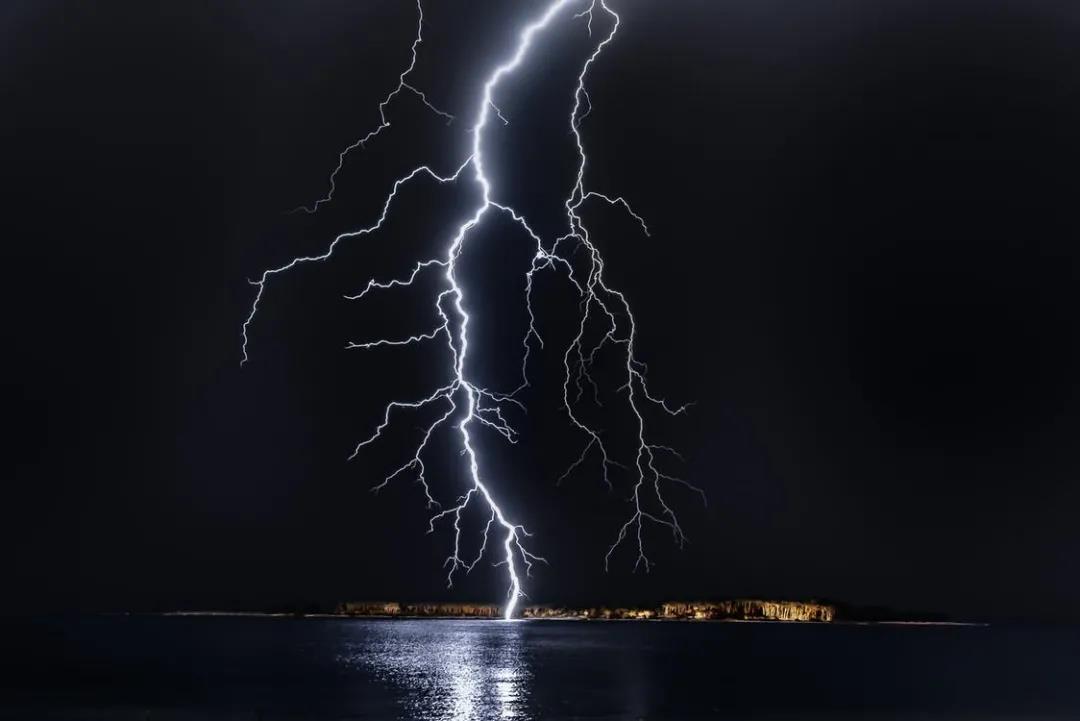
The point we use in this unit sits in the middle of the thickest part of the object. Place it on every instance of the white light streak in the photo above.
(466, 405)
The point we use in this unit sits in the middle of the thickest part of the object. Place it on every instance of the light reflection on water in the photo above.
(449, 671)
(178, 668)
(443, 670)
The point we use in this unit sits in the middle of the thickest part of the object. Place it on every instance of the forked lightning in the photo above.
(605, 321)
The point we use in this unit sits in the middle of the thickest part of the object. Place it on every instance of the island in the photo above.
(743, 609)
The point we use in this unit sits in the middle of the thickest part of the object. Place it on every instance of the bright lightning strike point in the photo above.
(468, 406)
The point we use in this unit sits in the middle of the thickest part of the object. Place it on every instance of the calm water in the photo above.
(248, 668)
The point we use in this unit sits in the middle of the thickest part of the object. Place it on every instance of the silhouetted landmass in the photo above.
(736, 609)
(739, 609)
(419, 610)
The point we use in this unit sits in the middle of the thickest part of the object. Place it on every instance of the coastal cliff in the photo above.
(732, 610)
(753, 609)
(418, 610)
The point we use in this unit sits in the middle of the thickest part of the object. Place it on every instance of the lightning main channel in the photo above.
(604, 311)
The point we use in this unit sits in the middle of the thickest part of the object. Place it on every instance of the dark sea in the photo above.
(147, 667)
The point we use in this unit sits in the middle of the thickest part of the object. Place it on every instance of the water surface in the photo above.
(274, 668)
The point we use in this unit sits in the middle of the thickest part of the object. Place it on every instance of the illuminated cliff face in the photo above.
(463, 610)
(436, 610)
(369, 608)
(737, 609)
(751, 609)
(590, 613)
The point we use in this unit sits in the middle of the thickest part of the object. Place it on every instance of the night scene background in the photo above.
(863, 269)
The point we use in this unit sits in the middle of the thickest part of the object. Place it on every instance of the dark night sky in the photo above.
(863, 269)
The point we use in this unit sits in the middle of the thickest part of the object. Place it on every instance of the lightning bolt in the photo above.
(403, 86)
(603, 311)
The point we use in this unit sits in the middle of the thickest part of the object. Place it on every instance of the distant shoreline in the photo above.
(740, 610)
(572, 618)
